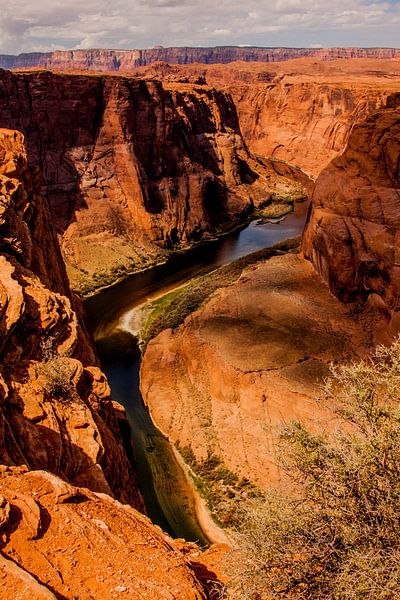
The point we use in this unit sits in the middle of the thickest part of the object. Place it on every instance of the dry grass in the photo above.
(56, 373)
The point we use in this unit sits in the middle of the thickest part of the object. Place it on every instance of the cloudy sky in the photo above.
(40, 25)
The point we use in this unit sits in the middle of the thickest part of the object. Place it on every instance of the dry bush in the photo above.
(341, 538)
(56, 373)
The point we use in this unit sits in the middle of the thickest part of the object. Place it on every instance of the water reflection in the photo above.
(105, 309)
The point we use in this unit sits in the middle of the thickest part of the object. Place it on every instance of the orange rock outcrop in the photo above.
(60, 541)
(55, 407)
(353, 234)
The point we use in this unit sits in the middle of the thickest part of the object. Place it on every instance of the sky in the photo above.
(43, 25)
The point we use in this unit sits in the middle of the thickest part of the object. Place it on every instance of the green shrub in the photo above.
(219, 486)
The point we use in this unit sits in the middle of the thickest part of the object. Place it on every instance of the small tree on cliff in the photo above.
(341, 538)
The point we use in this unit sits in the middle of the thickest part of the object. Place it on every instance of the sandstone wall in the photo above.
(299, 111)
(55, 407)
(353, 233)
(122, 60)
(303, 123)
(130, 168)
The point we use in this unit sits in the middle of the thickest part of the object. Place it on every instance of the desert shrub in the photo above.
(340, 537)
(55, 372)
(220, 487)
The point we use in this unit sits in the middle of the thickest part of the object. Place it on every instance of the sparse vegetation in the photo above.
(173, 308)
(219, 486)
(340, 537)
(56, 373)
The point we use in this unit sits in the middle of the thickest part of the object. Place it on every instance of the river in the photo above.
(169, 500)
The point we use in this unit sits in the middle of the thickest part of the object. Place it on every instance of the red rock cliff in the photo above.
(59, 541)
(299, 111)
(55, 407)
(353, 233)
(130, 167)
(122, 60)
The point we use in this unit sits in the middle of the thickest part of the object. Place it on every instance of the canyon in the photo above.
(146, 166)
(256, 354)
(106, 174)
(299, 111)
(61, 498)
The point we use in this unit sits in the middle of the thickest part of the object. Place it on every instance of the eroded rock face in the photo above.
(55, 407)
(303, 123)
(131, 168)
(255, 355)
(353, 234)
(299, 111)
(125, 60)
(253, 358)
(60, 541)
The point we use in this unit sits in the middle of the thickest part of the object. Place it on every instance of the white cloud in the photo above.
(32, 25)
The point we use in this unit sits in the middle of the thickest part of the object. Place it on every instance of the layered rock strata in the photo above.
(301, 111)
(55, 407)
(125, 60)
(353, 234)
(131, 168)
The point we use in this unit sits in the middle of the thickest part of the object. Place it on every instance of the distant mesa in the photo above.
(125, 60)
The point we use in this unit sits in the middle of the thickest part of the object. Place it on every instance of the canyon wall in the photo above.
(58, 427)
(353, 234)
(303, 123)
(300, 111)
(125, 60)
(131, 168)
(55, 407)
